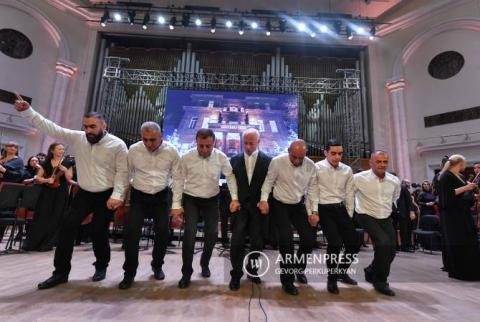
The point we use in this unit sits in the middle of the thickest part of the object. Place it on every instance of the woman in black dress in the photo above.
(462, 253)
(52, 202)
(427, 200)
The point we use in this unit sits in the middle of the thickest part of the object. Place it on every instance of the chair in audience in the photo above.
(428, 235)
(10, 194)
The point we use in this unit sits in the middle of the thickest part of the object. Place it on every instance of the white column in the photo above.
(64, 72)
(396, 93)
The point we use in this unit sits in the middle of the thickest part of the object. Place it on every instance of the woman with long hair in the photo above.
(427, 200)
(31, 169)
(54, 175)
(11, 165)
(461, 242)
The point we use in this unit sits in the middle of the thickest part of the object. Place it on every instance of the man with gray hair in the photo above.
(151, 163)
(250, 169)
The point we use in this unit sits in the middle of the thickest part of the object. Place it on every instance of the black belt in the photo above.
(333, 205)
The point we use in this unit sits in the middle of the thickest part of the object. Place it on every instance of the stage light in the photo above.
(228, 24)
(372, 33)
(349, 33)
(161, 19)
(198, 22)
(117, 16)
(105, 18)
(323, 28)
(301, 27)
(213, 25)
(282, 25)
(312, 34)
(360, 30)
(173, 21)
(254, 25)
(146, 20)
(241, 27)
(131, 17)
(268, 28)
(185, 19)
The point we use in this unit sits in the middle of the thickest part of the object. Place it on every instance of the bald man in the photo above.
(250, 169)
(376, 191)
(291, 176)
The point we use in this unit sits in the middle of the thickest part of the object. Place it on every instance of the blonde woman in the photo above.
(462, 253)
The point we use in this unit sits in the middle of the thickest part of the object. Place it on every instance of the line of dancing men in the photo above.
(291, 188)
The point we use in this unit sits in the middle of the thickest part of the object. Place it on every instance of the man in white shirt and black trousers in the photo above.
(151, 163)
(334, 181)
(290, 176)
(101, 160)
(250, 168)
(195, 194)
(375, 192)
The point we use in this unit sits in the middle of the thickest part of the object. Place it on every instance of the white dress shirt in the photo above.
(199, 177)
(150, 172)
(375, 196)
(250, 161)
(100, 166)
(335, 185)
(290, 183)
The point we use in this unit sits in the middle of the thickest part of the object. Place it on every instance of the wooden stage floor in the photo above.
(424, 292)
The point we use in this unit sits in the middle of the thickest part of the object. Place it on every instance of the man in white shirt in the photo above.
(375, 192)
(334, 181)
(195, 192)
(151, 163)
(250, 168)
(290, 175)
(101, 160)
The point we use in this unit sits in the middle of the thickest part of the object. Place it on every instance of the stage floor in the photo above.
(424, 292)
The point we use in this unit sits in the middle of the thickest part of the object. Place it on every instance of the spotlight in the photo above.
(241, 27)
(117, 17)
(173, 21)
(146, 20)
(301, 27)
(105, 18)
(360, 30)
(349, 33)
(228, 24)
(185, 19)
(254, 25)
(161, 20)
(323, 28)
(213, 25)
(131, 17)
(198, 22)
(282, 25)
(312, 34)
(372, 33)
(268, 27)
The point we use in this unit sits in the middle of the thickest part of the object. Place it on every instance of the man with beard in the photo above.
(101, 161)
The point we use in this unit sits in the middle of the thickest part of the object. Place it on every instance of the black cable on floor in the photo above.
(259, 302)
(249, 302)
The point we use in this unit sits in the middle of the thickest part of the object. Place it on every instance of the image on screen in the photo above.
(228, 114)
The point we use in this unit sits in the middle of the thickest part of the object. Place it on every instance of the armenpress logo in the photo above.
(259, 265)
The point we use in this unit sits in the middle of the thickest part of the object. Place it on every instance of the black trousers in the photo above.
(339, 230)
(383, 237)
(405, 225)
(286, 215)
(83, 204)
(146, 205)
(247, 221)
(196, 208)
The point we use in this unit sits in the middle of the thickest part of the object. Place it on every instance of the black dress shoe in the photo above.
(332, 286)
(158, 274)
(384, 288)
(99, 275)
(290, 289)
(53, 281)
(345, 279)
(255, 279)
(126, 283)
(205, 272)
(301, 278)
(368, 274)
(234, 284)
(184, 282)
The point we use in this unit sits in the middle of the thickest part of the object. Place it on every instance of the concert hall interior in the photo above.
(218, 160)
